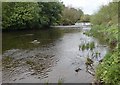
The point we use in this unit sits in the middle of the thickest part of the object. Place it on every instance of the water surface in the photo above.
(55, 58)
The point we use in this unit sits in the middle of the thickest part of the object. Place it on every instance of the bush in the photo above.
(70, 16)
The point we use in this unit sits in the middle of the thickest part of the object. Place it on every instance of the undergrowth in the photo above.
(108, 70)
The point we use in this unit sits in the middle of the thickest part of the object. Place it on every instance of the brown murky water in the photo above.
(49, 56)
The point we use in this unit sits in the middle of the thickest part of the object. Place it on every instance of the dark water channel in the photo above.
(51, 56)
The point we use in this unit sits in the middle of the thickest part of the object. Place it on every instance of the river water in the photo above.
(49, 56)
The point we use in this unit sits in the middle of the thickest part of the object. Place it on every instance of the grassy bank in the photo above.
(106, 34)
(108, 70)
(105, 28)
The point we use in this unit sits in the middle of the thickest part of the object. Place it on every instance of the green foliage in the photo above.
(20, 15)
(107, 15)
(105, 34)
(105, 24)
(108, 70)
(51, 16)
(70, 15)
(85, 18)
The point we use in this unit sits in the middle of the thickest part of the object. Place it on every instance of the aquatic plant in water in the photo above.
(87, 46)
(92, 45)
(60, 81)
(83, 47)
(89, 61)
(96, 55)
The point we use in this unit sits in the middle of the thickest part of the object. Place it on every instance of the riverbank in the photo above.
(108, 70)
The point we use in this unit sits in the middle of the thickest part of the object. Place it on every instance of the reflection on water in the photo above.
(22, 39)
(49, 55)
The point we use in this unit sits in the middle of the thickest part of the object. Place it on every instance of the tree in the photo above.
(19, 15)
(85, 18)
(108, 14)
(70, 15)
(22, 15)
(50, 12)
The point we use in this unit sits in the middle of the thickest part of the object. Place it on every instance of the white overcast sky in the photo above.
(88, 6)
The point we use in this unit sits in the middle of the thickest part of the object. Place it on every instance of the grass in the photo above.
(108, 70)
(105, 34)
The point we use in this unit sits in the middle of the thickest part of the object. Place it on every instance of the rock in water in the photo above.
(78, 69)
(35, 42)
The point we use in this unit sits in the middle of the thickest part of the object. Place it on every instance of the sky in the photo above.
(87, 6)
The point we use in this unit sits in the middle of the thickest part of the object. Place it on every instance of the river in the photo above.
(49, 56)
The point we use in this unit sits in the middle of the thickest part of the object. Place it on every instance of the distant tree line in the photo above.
(32, 15)
(85, 18)
(108, 14)
(70, 15)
